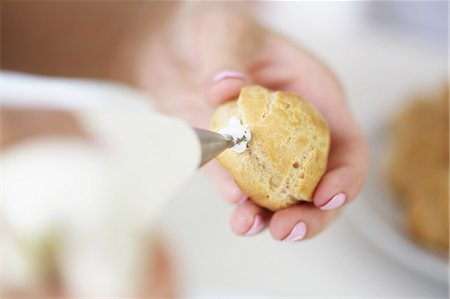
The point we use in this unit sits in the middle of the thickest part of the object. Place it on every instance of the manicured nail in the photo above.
(242, 200)
(337, 201)
(227, 74)
(258, 225)
(297, 233)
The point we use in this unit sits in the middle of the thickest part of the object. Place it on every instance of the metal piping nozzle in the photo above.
(212, 144)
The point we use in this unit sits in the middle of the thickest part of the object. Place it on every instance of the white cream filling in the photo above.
(239, 132)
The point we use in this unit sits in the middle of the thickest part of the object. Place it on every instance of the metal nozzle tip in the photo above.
(212, 144)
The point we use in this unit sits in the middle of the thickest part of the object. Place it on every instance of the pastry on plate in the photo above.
(427, 211)
(419, 169)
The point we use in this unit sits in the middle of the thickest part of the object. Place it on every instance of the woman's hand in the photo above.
(220, 53)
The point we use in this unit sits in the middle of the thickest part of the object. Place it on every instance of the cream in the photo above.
(240, 133)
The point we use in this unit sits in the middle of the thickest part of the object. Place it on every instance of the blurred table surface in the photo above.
(379, 68)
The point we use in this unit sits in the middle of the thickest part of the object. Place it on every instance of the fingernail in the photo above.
(258, 225)
(242, 200)
(227, 74)
(297, 233)
(337, 201)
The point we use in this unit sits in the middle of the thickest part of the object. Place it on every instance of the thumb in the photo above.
(224, 85)
(224, 57)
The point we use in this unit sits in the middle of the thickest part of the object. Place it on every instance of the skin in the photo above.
(270, 60)
(174, 52)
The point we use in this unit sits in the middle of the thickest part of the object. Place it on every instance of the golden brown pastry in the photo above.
(288, 150)
(420, 142)
(427, 211)
(419, 169)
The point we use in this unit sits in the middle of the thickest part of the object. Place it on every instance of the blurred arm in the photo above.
(83, 39)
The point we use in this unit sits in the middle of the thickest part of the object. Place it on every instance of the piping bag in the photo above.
(161, 148)
(132, 164)
(121, 176)
(165, 151)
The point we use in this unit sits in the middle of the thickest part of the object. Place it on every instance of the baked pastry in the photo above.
(288, 150)
(420, 142)
(419, 169)
(427, 211)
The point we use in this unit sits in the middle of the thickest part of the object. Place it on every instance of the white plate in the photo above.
(380, 219)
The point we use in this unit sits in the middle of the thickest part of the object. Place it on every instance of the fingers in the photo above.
(345, 175)
(249, 219)
(336, 188)
(223, 86)
(224, 182)
(224, 57)
(299, 222)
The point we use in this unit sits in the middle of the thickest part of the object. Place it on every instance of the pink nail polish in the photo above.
(227, 74)
(258, 225)
(337, 201)
(297, 233)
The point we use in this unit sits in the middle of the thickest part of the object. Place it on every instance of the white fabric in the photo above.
(91, 202)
